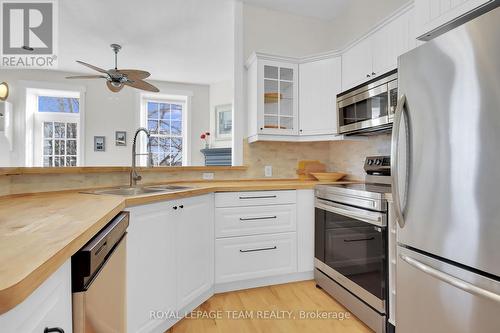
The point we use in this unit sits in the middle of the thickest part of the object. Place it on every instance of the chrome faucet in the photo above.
(134, 177)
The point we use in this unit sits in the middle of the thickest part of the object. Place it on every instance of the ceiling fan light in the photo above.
(4, 91)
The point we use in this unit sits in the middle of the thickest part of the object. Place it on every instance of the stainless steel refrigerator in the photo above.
(446, 182)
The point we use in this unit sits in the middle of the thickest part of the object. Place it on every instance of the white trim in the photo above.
(304, 138)
(262, 282)
(397, 13)
(333, 53)
(239, 87)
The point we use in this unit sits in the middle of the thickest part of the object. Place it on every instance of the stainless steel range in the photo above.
(351, 243)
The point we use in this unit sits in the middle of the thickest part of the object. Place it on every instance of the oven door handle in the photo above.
(365, 216)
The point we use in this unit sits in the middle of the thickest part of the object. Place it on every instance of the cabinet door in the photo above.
(305, 230)
(150, 265)
(388, 43)
(49, 306)
(195, 248)
(278, 98)
(319, 83)
(357, 64)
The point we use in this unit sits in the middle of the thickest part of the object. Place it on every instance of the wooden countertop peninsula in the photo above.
(39, 232)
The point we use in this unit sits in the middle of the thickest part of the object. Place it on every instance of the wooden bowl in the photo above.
(328, 176)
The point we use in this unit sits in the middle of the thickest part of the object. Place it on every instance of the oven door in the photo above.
(351, 248)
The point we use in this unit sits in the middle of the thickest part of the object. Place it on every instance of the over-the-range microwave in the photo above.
(368, 108)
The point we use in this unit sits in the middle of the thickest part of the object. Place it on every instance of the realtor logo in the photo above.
(28, 33)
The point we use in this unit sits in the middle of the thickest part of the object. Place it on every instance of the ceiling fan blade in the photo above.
(92, 67)
(134, 73)
(142, 85)
(87, 77)
(114, 88)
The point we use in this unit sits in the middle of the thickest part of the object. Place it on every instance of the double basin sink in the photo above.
(139, 190)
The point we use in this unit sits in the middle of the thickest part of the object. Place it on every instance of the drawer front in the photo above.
(251, 257)
(255, 198)
(245, 221)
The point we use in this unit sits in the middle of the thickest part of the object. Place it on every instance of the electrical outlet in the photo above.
(268, 170)
(208, 175)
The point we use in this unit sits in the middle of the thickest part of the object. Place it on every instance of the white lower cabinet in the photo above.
(251, 257)
(305, 230)
(49, 306)
(169, 261)
(195, 249)
(151, 264)
(245, 221)
(263, 237)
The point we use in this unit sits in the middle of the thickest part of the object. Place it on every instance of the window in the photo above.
(56, 127)
(165, 121)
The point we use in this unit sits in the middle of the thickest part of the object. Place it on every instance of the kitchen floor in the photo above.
(279, 308)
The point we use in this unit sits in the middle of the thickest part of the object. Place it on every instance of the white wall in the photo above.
(282, 33)
(105, 113)
(358, 18)
(221, 93)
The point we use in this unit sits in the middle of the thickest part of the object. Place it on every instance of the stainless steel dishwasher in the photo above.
(98, 280)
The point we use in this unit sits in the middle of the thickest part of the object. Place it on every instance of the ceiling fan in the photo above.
(116, 78)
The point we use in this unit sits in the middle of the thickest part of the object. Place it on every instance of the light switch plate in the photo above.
(268, 171)
(208, 175)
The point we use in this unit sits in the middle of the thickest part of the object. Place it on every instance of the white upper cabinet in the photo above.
(319, 83)
(357, 64)
(433, 14)
(389, 42)
(378, 52)
(274, 90)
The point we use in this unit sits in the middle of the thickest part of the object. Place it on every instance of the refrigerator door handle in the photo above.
(450, 279)
(398, 209)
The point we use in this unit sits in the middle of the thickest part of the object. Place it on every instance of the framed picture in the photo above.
(223, 122)
(120, 138)
(99, 143)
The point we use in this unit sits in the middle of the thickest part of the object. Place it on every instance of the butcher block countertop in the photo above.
(39, 232)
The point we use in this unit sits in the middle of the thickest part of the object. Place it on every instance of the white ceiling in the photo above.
(175, 40)
(323, 9)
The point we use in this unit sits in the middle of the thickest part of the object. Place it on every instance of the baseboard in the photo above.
(262, 282)
(168, 323)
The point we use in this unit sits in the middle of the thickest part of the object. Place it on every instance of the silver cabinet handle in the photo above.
(398, 209)
(243, 219)
(261, 249)
(450, 279)
(260, 197)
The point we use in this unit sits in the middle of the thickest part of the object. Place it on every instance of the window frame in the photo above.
(35, 151)
(184, 101)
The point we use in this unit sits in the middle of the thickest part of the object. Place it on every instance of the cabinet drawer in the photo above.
(250, 257)
(254, 198)
(245, 221)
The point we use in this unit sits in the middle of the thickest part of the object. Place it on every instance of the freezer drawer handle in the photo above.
(261, 249)
(243, 219)
(260, 197)
(398, 208)
(359, 239)
(53, 330)
(456, 282)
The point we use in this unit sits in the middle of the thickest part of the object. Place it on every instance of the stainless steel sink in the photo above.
(131, 191)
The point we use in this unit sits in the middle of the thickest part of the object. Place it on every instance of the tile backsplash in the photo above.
(345, 156)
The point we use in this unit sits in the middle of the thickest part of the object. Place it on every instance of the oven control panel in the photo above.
(378, 165)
